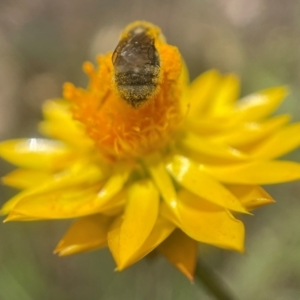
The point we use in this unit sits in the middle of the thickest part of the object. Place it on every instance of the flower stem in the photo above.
(212, 282)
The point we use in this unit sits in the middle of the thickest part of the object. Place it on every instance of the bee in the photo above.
(137, 64)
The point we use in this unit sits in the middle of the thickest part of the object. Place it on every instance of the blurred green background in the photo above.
(43, 44)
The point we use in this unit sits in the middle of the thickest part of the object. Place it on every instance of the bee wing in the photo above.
(137, 50)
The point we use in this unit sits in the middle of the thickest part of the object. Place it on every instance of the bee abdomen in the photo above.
(136, 88)
(136, 78)
(135, 95)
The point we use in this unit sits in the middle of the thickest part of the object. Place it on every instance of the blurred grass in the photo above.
(43, 44)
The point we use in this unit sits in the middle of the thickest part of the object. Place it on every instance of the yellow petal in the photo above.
(63, 203)
(207, 126)
(113, 185)
(139, 218)
(251, 196)
(25, 178)
(86, 234)
(184, 75)
(19, 217)
(184, 83)
(80, 174)
(261, 104)
(113, 239)
(194, 178)
(74, 201)
(57, 109)
(181, 251)
(168, 213)
(258, 172)
(115, 205)
(162, 179)
(40, 154)
(59, 124)
(248, 133)
(67, 203)
(66, 132)
(161, 230)
(210, 151)
(201, 91)
(280, 143)
(226, 95)
(209, 223)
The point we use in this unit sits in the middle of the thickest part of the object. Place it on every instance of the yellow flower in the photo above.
(147, 161)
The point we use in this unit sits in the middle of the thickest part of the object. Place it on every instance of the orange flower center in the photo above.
(119, 129)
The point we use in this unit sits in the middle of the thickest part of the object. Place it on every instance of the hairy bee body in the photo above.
(136, 65)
